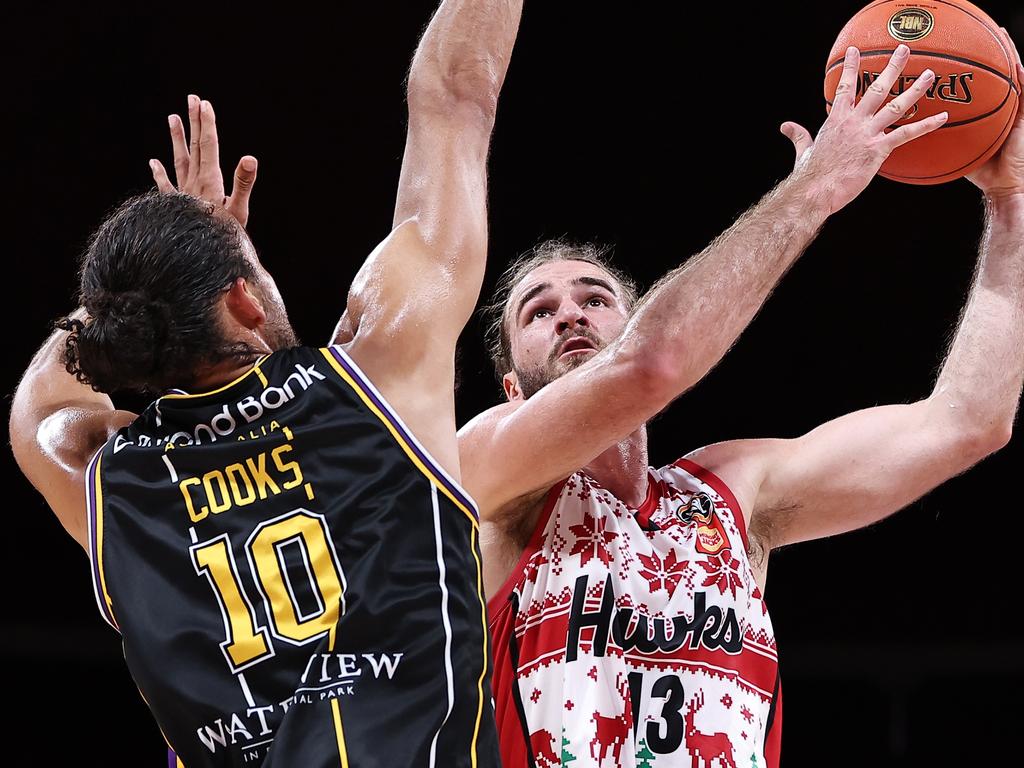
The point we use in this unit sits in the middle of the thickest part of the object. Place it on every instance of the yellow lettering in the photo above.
(325, 571)
(183, 485)
(241, 484)
(291, 466)
(246, 640)
(260, 476)
(225, 500)
(250, 493)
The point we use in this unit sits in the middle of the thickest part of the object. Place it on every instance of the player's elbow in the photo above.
(997, 436)
(970, 429)
(981, 440)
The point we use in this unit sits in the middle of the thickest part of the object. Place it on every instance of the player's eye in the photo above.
(537, 314)
(597, 301)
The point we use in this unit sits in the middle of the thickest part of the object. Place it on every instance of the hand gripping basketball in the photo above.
(1003, 174)
(197, 168)
(853, 143)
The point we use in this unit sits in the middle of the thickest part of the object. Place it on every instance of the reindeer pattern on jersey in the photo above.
(641, 637)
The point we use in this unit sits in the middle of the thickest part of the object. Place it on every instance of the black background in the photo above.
(629, 124)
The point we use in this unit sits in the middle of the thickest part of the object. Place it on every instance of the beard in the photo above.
(532, 380)
(277, 330)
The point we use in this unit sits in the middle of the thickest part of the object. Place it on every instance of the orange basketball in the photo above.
(975, 81)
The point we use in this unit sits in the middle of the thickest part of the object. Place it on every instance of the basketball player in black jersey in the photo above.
(289, 558)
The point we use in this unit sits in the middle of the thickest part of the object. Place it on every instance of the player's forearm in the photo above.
(464, 55)
(457, 72)
(688, 321)
(980, 382)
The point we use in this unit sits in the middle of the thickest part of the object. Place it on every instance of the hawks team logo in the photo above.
(701, 507)
(711, 538)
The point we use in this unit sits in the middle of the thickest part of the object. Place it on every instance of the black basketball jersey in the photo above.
(296, 581)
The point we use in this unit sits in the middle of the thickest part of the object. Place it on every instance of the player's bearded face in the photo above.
(533, 379)
(565, 312)
(278, 330)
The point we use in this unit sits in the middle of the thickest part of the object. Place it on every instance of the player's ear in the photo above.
(510, 383)
(243, 305)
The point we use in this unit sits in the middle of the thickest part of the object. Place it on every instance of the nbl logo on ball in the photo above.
(911, 24)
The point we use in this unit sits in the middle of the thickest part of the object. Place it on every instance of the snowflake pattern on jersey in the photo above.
(662, 574)
(592, 539)
(723, 572)
(644, 629)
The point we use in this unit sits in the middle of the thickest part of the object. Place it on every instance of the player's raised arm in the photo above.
(690, 319)
(57, 423)
(416, 291)
(861, 467)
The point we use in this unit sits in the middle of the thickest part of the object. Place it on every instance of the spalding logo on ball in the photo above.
(975, 82)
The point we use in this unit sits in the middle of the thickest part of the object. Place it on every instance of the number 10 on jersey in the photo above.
(247, 642)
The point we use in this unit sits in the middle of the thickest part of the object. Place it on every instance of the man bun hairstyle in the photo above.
(150, 279)
(496, 314)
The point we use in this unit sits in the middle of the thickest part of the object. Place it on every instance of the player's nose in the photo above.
(570, 315)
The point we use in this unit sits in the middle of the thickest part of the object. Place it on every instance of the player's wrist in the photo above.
(810, 196)
(1005, 204)
(1004, 195)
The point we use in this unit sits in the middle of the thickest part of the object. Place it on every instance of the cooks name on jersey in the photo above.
(327, 676)
(225, 423)
(256, 478)
(629, 629)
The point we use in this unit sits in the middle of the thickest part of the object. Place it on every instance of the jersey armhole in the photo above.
(500, 601)
(346, 368)
(710, 478)
(94, 515)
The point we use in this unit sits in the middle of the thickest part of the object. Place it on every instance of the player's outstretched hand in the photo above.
(1003, 174)
(853, 143)
(197, 166)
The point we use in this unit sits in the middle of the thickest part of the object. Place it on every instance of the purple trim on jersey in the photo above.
(392, 418)
(92, 510)
(172, 759)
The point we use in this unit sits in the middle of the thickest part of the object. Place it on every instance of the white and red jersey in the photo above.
(636, 638)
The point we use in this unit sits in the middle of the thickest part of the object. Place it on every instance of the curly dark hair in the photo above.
(496, 313)
(150, 278)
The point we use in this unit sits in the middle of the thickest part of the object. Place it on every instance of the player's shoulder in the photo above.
(733, 469)
(308, 364)
(728, 457)
(698, 467)
(287, 355)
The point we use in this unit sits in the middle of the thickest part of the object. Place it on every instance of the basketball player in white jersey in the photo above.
(625, 602)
